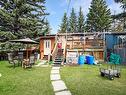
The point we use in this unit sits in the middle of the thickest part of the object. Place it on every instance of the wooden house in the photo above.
(86, 43)
(46, 46)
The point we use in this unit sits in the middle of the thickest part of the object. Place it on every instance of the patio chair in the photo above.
(20, 57)
(32, 60)
(11, 60)
(28, 62)
(35, 56)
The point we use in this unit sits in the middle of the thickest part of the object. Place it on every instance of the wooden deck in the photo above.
(87, 46)
(76, 43)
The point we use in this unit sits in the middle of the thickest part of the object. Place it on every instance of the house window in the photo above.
(47, 44)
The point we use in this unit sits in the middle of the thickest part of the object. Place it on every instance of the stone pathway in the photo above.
(42, 64)
(58, 85)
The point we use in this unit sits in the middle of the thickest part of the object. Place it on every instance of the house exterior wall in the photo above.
(94, 47)
(90, 46)
(42, 45)
(41, 48)
(110, 41)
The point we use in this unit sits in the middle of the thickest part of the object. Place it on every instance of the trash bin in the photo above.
(81, 60)
(90, 60)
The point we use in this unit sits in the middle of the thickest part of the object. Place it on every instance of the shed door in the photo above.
(47, 47)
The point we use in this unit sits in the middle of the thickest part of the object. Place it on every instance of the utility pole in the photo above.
(104, 44)
(114, 20)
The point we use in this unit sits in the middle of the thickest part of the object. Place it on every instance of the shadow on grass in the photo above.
(10, 66)
(103, 78)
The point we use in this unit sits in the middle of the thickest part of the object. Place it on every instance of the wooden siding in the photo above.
(76, 43)
(42, 45)
(89, 46)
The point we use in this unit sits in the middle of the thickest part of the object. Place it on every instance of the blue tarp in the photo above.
(115, 59)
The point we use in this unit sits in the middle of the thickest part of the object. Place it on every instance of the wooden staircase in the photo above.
(59, 57)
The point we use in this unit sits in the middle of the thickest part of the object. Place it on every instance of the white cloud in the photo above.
(64, 3)
(85, 4)
(115, 8)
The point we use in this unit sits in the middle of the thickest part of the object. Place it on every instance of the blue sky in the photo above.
(56, 8)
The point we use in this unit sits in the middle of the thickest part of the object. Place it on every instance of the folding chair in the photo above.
(11, 60)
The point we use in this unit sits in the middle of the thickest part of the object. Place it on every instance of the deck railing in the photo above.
(54, 51)
(64, 52)
(76, 44)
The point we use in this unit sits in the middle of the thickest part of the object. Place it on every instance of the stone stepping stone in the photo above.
(55, 77)
(44, 65)
(63, 93)
(55, 68)
(54, 71)
(59, 85)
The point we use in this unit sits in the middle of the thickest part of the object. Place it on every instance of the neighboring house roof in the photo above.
(116, 33)
(91, 33)
(79, 34)
(45, 37)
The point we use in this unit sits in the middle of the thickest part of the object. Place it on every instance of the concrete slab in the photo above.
(54, 71)
(59, 85)
(41, 66)
(41, 63)
(44, 65)
(55, 68)
(63, 93)
(55, 77)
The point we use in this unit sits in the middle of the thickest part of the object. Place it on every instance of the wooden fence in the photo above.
(122, 52)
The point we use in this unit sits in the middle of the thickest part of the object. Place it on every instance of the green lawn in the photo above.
(19, 81)
(86, 80)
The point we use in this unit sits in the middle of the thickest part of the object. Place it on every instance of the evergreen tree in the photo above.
(63, 27)
(80, 27)
(73, 22)
(99, 17)
(47, 28)
(21, 18)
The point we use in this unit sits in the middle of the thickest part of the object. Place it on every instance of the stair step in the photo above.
(58, 58)
(57, 62)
